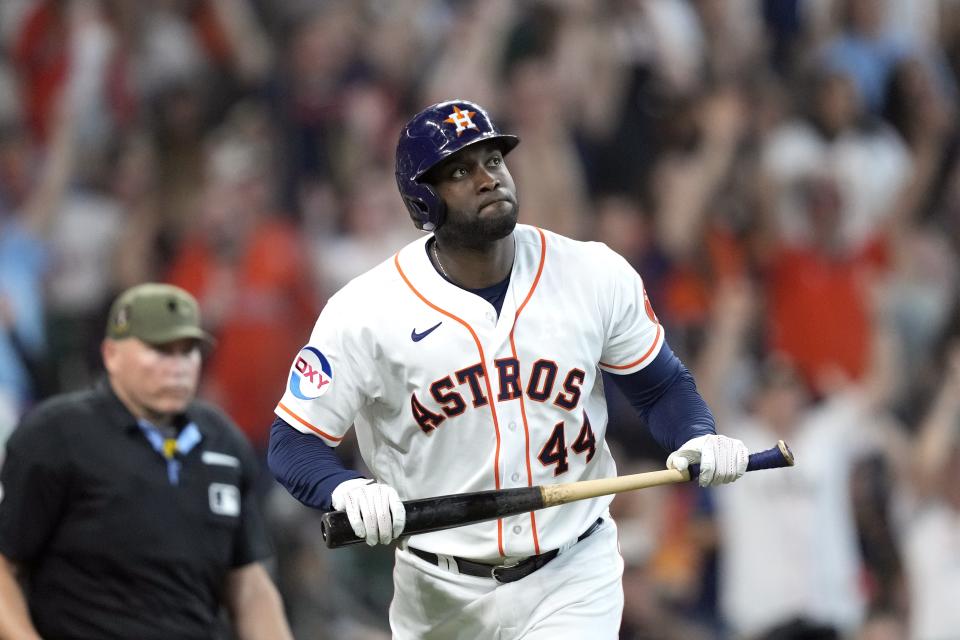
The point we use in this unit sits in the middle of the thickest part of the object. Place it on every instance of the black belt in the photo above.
(502, 573)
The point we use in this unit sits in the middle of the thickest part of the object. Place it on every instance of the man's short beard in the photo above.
(479, 232)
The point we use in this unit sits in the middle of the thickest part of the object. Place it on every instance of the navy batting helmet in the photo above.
(432, 135)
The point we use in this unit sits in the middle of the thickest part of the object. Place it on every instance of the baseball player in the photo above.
(471, 360)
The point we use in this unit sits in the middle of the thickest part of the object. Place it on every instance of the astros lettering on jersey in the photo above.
(448, 398)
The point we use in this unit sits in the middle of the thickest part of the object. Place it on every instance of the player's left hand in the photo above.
(721, 459)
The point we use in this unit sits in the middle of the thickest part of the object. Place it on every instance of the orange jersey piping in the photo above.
(308, 425)
(656, 339)
(523, 409)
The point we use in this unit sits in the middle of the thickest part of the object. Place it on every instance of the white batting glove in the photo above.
(374, 510)
(721, 459)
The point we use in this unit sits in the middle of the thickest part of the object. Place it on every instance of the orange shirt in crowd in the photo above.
(688, 287)
(264, 305)
(819, 310)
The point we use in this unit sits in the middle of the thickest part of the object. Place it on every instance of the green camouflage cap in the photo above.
(157, 314)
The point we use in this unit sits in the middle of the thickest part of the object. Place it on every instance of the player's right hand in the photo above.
(374, 510)
(721, 459)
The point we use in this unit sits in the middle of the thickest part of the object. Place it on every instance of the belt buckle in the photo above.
(499, 567)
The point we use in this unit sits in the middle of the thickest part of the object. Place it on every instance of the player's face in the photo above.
(156, 382)
(479, 193)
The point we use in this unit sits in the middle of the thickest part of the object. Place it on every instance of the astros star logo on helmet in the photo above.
(461, 119)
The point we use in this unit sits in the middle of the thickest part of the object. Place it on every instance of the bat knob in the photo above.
(785, 452)
(336, 530)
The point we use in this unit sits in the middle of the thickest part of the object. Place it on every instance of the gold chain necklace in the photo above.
(439, 264)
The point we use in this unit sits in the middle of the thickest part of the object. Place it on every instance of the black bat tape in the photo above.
(440, 512)
(445, 512)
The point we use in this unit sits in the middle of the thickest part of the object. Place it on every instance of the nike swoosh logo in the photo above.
(417, 337)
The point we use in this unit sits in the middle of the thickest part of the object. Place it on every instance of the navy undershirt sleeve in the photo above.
(665, 397)
(305, 465)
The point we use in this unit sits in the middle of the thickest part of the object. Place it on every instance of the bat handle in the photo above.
(774, 458)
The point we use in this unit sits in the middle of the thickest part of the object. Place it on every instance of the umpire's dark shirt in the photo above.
(111, 548)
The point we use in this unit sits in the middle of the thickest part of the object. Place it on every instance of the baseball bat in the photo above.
(460, 509)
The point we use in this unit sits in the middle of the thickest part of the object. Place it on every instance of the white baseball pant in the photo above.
(579, 594)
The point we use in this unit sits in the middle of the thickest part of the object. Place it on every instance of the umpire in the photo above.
(128, 510)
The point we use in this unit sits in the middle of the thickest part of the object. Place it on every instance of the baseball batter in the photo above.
(471, 360)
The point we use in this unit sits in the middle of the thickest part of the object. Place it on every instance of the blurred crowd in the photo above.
(784, 174)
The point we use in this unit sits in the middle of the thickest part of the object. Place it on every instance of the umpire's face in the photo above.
(154, 381)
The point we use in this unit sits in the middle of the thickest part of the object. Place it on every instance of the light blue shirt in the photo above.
(868, 61)
(188, 438)
(23, 264)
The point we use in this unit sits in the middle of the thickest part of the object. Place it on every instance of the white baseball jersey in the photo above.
(448, 398)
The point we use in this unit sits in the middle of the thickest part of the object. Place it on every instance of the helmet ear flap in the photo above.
(425, 206)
